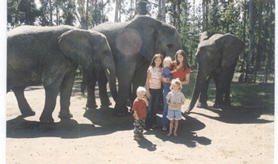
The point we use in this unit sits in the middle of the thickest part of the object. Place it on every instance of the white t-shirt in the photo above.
(155, 79)
(175, 98)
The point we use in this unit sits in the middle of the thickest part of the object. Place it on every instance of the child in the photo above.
(140, 112)
(175, 99)
(167, 77)
(154, 91)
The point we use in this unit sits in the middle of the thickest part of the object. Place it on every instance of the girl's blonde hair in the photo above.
(167, 58)
(176, 81)
(141, 89)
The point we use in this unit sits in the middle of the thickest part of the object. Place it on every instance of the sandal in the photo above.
(164, 129)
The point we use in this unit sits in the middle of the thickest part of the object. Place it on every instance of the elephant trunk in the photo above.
(199, 84)
(109, 67)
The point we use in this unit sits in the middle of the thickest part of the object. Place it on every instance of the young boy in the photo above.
(167, 77)
(140, 112)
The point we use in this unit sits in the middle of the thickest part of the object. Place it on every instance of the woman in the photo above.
(182, 72)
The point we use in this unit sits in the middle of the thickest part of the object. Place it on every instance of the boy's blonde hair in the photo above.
(167, 58)
(141, 89)
(176, 81)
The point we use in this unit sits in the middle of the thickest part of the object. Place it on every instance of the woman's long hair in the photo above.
(185, 61)
(154, 57)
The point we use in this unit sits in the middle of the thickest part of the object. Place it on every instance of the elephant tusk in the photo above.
(108, 71)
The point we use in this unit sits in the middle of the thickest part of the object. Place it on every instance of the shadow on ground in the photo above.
(238, 114)
(104, 123)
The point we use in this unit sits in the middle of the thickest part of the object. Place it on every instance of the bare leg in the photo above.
(171, 127)
(176, 127)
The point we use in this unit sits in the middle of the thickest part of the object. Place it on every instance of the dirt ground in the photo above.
(231, 136)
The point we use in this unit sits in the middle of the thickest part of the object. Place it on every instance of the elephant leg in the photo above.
(91, 99)
(123, 94)
(204, 95)
(51, 92)
(89, 78)
(219, 91)
(102, 84)
(23, 105)
(229, 76)
(139, 79)
(65, 93)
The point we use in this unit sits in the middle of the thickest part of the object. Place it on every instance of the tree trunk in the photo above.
(87, 15)
(57, 13)
(117, 11)
(204, 15)
(163, 10)
(178, 15)
(251, 37)
(50, 12)
(259, 46)
(244, 26)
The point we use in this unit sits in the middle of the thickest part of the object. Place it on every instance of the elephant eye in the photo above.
(170, 46)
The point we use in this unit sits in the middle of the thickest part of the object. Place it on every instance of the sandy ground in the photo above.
(231, 136)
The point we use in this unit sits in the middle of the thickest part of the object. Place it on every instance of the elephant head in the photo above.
(218, 51)
(77, 44)
(147, 36)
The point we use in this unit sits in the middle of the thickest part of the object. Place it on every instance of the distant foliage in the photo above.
(190, 19)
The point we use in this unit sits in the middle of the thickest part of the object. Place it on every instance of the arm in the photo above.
(148, 84)
(146, 101)
(135, 115)
(187, 76)
(175, 70)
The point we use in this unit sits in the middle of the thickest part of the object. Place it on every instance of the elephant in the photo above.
(49, 56)
(217, 57)
(133, 44)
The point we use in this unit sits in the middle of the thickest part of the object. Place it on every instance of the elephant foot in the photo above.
(47, 120)
(106, 104)
(216, 105)
(202, 105)
(28, 113)
(226, 103)
(67, 115)
(91, 106)
(120, 113)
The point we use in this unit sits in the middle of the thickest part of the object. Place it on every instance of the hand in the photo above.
(136, 117)
(145, 98)
(175, 70)
(148, 94)
(167, 80)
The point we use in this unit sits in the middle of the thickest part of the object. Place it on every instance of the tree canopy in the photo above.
(250, 20)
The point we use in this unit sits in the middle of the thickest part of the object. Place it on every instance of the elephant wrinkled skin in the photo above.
(133, 45)
(49, 56)
(217, 58)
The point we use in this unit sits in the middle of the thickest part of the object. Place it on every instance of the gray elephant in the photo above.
(133, 45)
(49, 56)
(217, 58)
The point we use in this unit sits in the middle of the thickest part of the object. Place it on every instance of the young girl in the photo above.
(153, 85)
(181, 70)
(175, 99)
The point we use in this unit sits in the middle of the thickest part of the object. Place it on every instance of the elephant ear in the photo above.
(76, 45)
(139, 35)
(231, 49)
